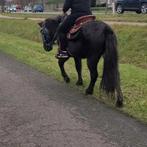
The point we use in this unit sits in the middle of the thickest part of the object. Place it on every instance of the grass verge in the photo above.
(126, 17)
(26, 47)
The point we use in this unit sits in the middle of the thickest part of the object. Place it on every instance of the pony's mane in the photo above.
(55, 19)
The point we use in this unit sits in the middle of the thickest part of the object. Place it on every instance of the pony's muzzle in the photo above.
(47, 47)
(47, 43)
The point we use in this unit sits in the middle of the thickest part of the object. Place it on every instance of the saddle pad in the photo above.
(80, 22)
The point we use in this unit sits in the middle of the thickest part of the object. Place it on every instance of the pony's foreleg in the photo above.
(79, 71)
(92, 65)
(64, 74)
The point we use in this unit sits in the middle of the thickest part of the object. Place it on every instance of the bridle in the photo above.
(46, 38)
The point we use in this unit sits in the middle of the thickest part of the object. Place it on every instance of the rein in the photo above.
(46, 38)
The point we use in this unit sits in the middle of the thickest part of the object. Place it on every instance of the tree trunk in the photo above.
(3, 5)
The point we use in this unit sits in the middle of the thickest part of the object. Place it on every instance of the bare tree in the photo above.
(24, 2)
(2, 3)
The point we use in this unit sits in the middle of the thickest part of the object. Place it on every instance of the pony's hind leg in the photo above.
(119, 95)
(92, 65)
(79, 71)
(64, 74)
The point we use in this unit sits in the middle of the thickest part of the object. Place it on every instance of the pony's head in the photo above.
(48, 29)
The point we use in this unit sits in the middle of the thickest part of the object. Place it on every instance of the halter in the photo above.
(46, 38)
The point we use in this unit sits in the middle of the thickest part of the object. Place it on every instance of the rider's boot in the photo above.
(62, 54)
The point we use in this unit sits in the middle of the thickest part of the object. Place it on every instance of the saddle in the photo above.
(74, 31)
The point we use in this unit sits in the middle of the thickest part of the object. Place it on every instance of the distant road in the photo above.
(57, 13)
(53, 12)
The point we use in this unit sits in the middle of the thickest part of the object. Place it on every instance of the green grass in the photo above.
(25, 45)
(29, 15)
(134, 52)
(23, 28)
(126, 17)
(132, 44)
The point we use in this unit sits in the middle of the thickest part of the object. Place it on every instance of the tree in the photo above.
(55, 1)
(24, 2)
(2, 3)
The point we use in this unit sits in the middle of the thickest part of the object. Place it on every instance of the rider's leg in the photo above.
(63, 30)
(62, 52)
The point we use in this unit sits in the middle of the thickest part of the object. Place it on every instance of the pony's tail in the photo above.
(110, 75)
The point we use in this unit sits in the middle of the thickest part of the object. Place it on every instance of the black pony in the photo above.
(96, 39)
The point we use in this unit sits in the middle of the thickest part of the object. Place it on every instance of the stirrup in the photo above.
(62, 55)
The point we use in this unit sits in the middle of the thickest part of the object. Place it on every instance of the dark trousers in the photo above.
(65, 27)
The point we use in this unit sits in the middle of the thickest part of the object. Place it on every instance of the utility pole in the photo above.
(113, 7)
(108, 2)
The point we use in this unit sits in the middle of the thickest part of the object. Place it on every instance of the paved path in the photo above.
(37, 111)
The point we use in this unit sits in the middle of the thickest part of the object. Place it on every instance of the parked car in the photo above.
(27, 9)
(38, 8)
(12, 8)
(139, 6)
(18, 8)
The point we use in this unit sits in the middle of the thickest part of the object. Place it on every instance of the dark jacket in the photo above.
(77, 6)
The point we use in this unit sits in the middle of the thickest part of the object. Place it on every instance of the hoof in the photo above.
(88, 92)
(79, 83)
(67, 80)
(119, 104)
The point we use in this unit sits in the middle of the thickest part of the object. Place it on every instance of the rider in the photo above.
(78, 8)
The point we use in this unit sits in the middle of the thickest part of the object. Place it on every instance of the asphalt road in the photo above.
(38, 111)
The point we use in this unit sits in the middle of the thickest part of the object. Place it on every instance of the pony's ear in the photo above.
(40, 23)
